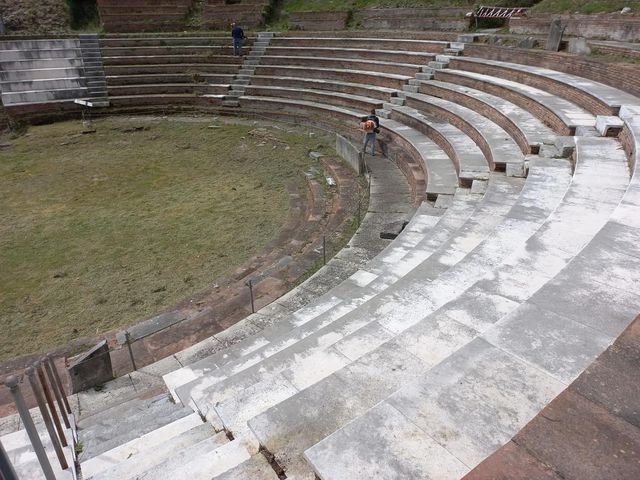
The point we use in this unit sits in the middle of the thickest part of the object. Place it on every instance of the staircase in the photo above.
(243, 78)
(94, 71)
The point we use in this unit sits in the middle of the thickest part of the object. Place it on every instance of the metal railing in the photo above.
(47, 389)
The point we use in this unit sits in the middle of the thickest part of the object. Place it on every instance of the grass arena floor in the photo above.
(98, 230)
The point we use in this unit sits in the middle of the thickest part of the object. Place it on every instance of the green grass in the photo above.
(585, 6)
(100, 230)
(555, 6)
(332, 5)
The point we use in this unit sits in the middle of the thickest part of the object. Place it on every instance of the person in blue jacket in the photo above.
(238, 39)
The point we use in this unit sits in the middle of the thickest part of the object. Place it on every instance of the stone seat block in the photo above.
(607, 125)
(528, 131)
(353, 76)
(343, 63)
(595, 97)
(562, 115)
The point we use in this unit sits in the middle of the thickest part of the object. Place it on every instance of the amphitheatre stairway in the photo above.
(439, 350)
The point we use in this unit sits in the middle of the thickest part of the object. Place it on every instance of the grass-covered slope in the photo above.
(99, 230)
(43, 17)
(331, 5)
(586, 6)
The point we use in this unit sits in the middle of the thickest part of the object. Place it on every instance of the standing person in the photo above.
(238, 39)
(371, 126)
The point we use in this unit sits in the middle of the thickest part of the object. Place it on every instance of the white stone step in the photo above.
(203, 461)
(498, 146)
(454, 217)
(510, 116)
(256, 468)
(421, 343)
(146, 460)
(140, 445)
(569, 113)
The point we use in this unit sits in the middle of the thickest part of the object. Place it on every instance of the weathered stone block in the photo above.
(91, 368)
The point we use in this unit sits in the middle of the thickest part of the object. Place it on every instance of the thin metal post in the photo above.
(6, 469)
(31, 375)
(52, 406)
(127, 336)
(36, 443)
(324, 250)
(250, 284)
(56, 393)
(56, 376)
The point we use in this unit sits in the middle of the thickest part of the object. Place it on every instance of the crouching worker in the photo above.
(371, 126)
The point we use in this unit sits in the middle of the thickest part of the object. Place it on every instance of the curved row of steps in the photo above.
(462, 306)
(441, 348)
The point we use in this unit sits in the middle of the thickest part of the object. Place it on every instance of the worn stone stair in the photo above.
(94, 70)
(243, 77)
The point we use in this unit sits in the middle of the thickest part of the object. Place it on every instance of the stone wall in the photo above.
(599, 71)
(318, 21)
(350, 154)
(611, 26)
(143, 15)
(448, 19)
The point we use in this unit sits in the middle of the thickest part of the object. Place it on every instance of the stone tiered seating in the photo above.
(167, 70)
(432, 310)
(144, 15)
(560, 114)
(219, 14)
(43, 74)
(523, 360)
(436, 352)
(24, 460)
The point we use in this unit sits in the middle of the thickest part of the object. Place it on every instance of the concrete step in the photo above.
(104, 431)
(245, 395)
(496, 144)
(256, 468)
(438, 65)
(144, 445)
(410, 88)
(202, 461)
(141, 462)
(453, 219)
(465, 153)
(529, 132)
(424, 76)
(563, 114)
(543, 175)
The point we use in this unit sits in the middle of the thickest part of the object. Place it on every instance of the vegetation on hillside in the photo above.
(586, 6)
(331, 5)
(44, 17)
